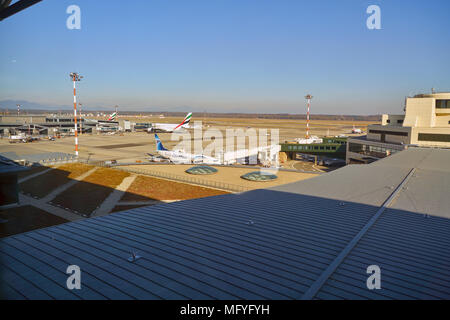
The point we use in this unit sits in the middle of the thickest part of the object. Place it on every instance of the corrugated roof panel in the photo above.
(365, 184)
(105, 267)
(21, 260)
(420, 158)
(258, 245)
(7, 291)
(26, 287)
(45, 254)
(427, 192)
(412, 252)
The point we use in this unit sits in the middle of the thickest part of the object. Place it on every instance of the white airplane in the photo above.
(171, 127)
(111, 119)
(356, 130)
(181, 157)
(112, 116)
(266, 154)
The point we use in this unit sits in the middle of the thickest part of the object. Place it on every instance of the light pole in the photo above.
(81, 120)
(75, 77)
(308, 98)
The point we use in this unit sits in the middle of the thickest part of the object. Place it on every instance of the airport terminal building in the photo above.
(53, 125)
(426, 123)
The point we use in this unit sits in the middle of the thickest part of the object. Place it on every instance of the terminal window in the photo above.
(443, 104)
(434, 137)
(393, 133)
(370, 150)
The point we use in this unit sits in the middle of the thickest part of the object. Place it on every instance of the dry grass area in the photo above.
(148, 188)
(75, 169)
(87, 195)
(42, 185)
(26, 218)
(229, 175)
(106, 177)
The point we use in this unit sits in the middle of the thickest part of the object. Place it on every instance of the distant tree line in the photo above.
(231, 115)
(265, 116)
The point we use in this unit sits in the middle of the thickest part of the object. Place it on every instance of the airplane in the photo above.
(171, 127)
(111, 119)
(356, 130)
(113, 116)
(181, 157)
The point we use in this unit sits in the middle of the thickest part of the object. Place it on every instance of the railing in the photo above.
(180, 178)
(108, 164)
(192, 180)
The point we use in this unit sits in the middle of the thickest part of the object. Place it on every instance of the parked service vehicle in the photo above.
(334, 162)
(20, 138)
(127, 126)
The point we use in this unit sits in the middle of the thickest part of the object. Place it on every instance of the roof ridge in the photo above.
(320, 281)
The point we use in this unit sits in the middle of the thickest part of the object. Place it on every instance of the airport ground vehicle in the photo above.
(20, 138)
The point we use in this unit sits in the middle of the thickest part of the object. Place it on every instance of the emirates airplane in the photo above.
(181, 157)
(171, 127)
(113, 116)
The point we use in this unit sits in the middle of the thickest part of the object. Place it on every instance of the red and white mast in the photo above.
(81, 121)
(308, 98)
(75, 77)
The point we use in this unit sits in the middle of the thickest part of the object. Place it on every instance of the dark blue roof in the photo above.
(8, 166)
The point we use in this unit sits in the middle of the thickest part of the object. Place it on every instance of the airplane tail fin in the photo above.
(185, 121)
(159, 145)
(113, 116)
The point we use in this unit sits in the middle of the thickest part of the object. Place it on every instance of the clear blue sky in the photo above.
(228, 55)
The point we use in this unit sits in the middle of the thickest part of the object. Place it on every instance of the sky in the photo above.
(251, 56)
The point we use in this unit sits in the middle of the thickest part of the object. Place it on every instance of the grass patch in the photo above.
(148, 188)
(87, 195)
(45, 183)
(26, 218)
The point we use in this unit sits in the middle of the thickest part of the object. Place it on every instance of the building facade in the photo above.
(53, 125)
(426, 123)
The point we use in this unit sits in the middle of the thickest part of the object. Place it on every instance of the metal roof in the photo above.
(427, 192)
(8, 166)
(277, 243)
(412, 252)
